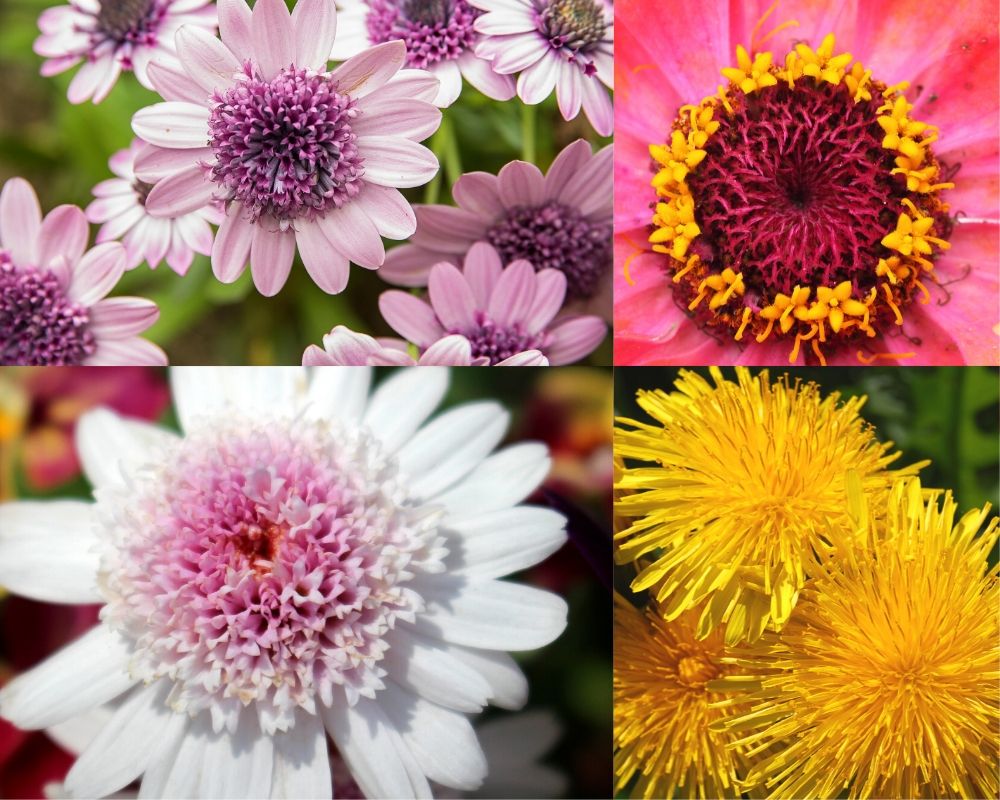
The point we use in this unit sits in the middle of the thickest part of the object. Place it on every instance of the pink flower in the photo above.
(816, 243)
(565, 45)
(121, 206)
(559, 221)
(303, 158)
(501, 311)
(112, 36)
(439, 37)
(53, 306)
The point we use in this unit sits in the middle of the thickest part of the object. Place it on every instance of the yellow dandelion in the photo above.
(663, 709)
(743, 491)
(885, 680)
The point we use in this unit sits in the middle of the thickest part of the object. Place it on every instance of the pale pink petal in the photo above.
(479, 193)
(529, 358)
(412, 119)
(97, 273)
(571, 159)
(234, 27)
(521, 184)
(411, 318)
(574, 338)
(315, 357)
(126, 352)
(550, 292)
(181, 193)
(209, 63)
(325, 265)
(271, 256)
(352, 233)
(348, 348)
(180, 255)
(539, 80)
(64, 232)
(513, 295)
(482, 270)
(479, 72)
(20, 221)
(591, 187)
(598, 108)
(513, 19)
(390, 212)
(448, 73)
(122, 317)
(107, 83)
(231, 249)
(315, 26)
(117, 226)
(153, 163)
(273, 36)
(451, 351)
(55, 66)
(410, 84)
(448, 229)
(569, 93)
(451, 297)
(103, 209)
(517, 52)
(172, 125)
(174, 84)
(408, 265)
(368, 70)
(110, 187)
(89, 78)
(398, 162)
(195, 232)
(157, 240)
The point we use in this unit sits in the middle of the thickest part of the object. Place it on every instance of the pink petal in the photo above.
(389, 211)
(349, 230)
(514, 294)
(411, 119)
(271, 256)
(368, 70)
(568, 163)
(411, 318)
(479, 72)
(398, 162)
(208, 61)
(479, 193)
(64, 232)
(273, 36)
(597, 106)
(195, 232)
(521, 184)
(515, 53)
(153, 163)
(482, 270)
(175, 84)
(591, 187)
(408, 265)
(97, 273)
(569, 93)
(112, 186)
(348, 348)
(410, 84)
(550, 292)
(173, 125)
(181, 193)
(234, 27)
(573, 338)
(180, 255)
(122, 317)
(450, 77)
(451, 298)
(327, 267)
(127, 352)
(119, 224)
(314, 357)
(20, 221)
(451, 351)
(231, 249)
(447, 229)
(512, 19)
(539, 80)
(89, 78)
(529, 358)
(315, 24)
(157, 240)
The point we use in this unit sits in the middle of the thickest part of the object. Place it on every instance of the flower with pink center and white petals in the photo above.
(303, 158)
(304, 563)
(111, 37)
(439, 35)
(120, 205)
(561, 45)
(54, 308)
(343, 347)
(501, 311)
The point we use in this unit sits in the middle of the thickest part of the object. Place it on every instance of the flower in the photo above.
(302, 157)
(439, 37)
(121, 206)
(558, 221)
(812, 204)
(748, 487)
(500, 311)
(52, 291)
(892, 649)
(303, 561)
(111, 36)
(564, 45)
(345, 348)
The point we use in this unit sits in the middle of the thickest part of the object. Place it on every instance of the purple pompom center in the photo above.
(432, 30)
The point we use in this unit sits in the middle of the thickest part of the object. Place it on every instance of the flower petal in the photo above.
(301, 763)
(271, 256)
(403, 403)
(410, 317)
(574, 338)
(181, 193)
(341, 392)
(329, 268)
(451, 298)
(174, 124)
(211, 65)
(395, 161)
(273, 37)
(235, 22)
(200, 392)
(389, 211)
(97, 273)
(20, 221)
(514, 294)
(503, 542)
(122, 317)
(368, 70)
(231, 249)
(64, 232)
(501, 481)
(315, 24)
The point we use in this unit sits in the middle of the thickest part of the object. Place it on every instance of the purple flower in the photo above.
(53, 309)
(303, 158)
(501, 311)
(439, 36)
(564, 45)
(112, 36)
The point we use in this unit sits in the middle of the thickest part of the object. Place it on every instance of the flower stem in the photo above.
(528, 121)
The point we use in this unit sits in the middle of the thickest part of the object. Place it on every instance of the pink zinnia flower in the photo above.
(559, 221)
(811, 206)
(111, 36)
(565, 45)
(121, 206)
(302, 157)
(501, 311)
(439, 37)
(53, 306)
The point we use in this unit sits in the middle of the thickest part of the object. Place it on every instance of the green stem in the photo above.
(528, 122)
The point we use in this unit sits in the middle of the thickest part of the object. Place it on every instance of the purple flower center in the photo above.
(284, 148)
(496, 343)
(142, 190)
(432, 30)
(39, 325)
(133, 21)
(556, 236)
(573, 24)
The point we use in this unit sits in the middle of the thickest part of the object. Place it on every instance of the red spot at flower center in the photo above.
(258, 546)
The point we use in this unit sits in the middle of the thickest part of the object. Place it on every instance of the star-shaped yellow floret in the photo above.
(834, 305)
(821, 63)
(751, 76)
(675, 224)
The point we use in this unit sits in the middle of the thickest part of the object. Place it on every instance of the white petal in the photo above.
(513, 744)
(237, 766)
(154, 781)
(499, 543)
(501, 481)
(508, 686)
(111, 447)
(75, 734)
(205, 392)
(403, 402)
(338, 392)
(301, 763)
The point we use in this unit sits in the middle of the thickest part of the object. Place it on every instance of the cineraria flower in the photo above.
(121, 206)
(54, 308)
(885, 679)
(741, 501)
(112, 36)
(438, 35)
(561, 221)
(343, 347)
(812, 204)
(302, 157)
(501, 311)
(303, 561)
(565, 45)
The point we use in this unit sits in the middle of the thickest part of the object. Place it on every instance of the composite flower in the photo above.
(306, 563)
(823, 196)
(304, 158)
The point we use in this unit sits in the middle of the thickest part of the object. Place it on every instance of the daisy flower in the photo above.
(121, 207)
(304, 158)
(829, 197)
(345, 348)
(305, 562)
(439, 37)
(560, 221)
(112, 36)
(500, 311)
(54, 308)
(561, 45)
(893, 652)
(730, 503)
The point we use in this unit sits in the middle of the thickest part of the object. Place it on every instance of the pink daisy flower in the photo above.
(112, 36)
(343, 347)
(439, 37)
(500, 311)
(303, 158)
(559, 221)
(53, 304)
(561, 45)
(121, 207)
(833, 201)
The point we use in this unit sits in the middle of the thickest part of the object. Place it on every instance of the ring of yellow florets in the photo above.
(728, 294)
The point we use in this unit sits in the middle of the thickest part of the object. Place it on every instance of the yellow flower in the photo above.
(742, 487)
(886, 679)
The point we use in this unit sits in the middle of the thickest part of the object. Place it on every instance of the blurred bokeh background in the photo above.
(568, 408)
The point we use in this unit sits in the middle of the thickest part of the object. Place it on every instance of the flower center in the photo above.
(573, 24)
(695, 671)
(142, 190)
(284, 148)
(496, 343)
(556, 236)
(432, 30)
(125, 20)
(39, 325)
